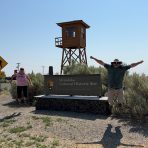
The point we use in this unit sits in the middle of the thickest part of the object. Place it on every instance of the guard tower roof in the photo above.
(73, 22)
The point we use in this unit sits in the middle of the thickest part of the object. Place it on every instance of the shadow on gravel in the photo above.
(9, 116)
(137, 126)
(111, 139)
(87, 116)
(14, 104)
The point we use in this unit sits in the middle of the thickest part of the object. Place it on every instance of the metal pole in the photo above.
(18, 66)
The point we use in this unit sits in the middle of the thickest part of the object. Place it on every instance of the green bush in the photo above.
(38, 85)
(76, 69)
(136, 95)
(13, 90)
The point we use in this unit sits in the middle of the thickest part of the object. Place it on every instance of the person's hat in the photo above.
(116, 61)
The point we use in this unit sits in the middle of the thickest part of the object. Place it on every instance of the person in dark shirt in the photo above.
(116, 72)
(13, 77)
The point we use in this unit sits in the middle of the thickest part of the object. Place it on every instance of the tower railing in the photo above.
(58, 42)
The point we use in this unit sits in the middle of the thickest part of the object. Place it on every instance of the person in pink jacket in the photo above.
(22, 82)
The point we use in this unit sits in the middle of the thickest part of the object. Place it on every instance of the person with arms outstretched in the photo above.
(116, 72)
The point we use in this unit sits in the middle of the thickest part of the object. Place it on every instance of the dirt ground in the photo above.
(23, 126)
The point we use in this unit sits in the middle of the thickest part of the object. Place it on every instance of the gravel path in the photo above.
(70, 129)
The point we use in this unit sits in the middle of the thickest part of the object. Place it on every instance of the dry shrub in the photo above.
(136, 95)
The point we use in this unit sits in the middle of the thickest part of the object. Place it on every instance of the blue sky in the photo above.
(118, 29)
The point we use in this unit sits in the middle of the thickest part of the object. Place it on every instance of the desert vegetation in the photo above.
(135, 85)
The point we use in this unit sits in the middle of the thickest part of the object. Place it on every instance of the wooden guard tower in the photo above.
(73, 42)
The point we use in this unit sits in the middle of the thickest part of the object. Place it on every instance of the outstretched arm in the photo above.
(98, 61)
(135, 64)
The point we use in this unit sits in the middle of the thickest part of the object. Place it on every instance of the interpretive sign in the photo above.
(73, 84)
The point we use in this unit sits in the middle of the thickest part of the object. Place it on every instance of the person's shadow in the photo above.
(112, 139)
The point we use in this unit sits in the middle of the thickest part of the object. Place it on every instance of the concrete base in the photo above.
(90, 104)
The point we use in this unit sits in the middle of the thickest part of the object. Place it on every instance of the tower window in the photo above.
(71, 32)
(83, 33)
